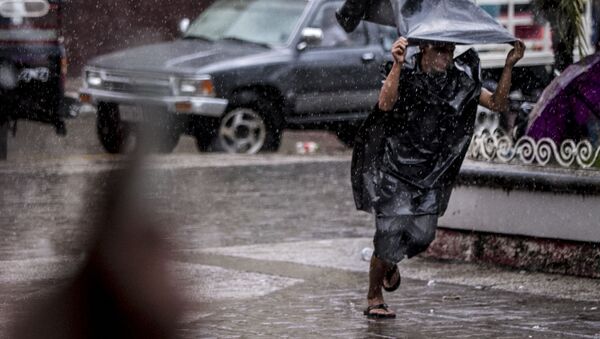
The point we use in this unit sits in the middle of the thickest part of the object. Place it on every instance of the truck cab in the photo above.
(241, 73)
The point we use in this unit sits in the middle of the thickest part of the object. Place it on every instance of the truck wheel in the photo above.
(346, 134)
(249, 129)
(112, 132)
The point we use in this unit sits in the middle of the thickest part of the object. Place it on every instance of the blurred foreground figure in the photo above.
(123, 289)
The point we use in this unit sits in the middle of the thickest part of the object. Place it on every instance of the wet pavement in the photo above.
(262, 246)
(35, 141)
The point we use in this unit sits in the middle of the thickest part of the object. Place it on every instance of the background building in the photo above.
(93, 27)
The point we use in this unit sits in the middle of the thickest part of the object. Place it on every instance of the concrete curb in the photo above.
(521, 252)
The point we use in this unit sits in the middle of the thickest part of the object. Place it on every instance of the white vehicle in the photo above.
(518, 17)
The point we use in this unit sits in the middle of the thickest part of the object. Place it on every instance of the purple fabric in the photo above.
(568, 104)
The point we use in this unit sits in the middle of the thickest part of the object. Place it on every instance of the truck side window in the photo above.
(388, 36)
(333, 34)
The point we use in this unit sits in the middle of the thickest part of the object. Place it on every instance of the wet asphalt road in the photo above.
(262, 246)
(34, 141)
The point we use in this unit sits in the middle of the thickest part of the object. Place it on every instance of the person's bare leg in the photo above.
(375, 295)
(391, 281)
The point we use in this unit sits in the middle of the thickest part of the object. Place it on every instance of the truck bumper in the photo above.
(206, 106)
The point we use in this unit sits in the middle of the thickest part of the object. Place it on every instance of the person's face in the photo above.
(437, 57)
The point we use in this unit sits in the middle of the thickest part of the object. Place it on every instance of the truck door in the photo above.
(340, 72)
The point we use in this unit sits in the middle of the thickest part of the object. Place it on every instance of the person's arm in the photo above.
(498, 101)
(389, 90)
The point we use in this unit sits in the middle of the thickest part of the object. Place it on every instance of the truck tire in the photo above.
(249, 128)
(112, 132)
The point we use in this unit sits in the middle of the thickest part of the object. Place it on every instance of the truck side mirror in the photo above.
(184, 24)
(310, 37)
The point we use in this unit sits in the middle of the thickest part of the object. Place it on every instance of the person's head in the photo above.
(436, 57)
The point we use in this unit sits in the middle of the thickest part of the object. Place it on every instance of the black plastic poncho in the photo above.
(405, 161)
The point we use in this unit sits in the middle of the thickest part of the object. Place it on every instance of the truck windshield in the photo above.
(261, 21)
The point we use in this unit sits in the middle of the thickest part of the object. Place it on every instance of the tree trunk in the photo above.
(563, 46)
(566, 21)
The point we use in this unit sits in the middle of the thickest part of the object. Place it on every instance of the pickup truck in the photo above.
(243, 72)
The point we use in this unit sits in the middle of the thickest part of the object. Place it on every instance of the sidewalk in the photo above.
(322, 288)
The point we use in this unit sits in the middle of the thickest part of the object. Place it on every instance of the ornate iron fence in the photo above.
(497, 146)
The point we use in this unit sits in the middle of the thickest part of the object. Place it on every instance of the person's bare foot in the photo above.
(377, 307)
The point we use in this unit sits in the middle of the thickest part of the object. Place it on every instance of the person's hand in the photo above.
(516, 53)
(399, 50)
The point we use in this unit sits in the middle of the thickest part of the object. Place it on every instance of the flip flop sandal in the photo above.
(389, 275)
(384, 307)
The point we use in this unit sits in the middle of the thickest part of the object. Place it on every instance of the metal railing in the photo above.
(497, 146)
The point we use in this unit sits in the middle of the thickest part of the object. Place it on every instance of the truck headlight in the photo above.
(202, 87)
(93, 79)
